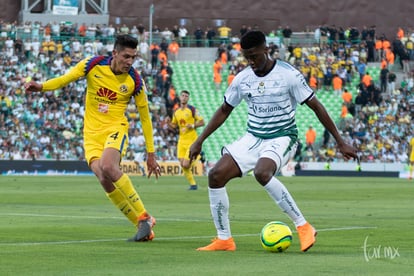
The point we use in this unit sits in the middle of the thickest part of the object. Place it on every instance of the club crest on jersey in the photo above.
(261, 87)
(123, 88)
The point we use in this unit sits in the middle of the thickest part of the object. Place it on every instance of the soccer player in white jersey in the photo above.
(271, 89)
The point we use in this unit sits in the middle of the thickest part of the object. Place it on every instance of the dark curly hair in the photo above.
(252, 39)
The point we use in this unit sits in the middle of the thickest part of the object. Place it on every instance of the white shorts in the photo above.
(248, 149)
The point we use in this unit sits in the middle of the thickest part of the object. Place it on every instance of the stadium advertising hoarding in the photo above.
(68, 167)
(167, 168)
(65, 7)
(172, 168)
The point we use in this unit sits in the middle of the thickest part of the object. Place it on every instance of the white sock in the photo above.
(282, 197)
(219, 206)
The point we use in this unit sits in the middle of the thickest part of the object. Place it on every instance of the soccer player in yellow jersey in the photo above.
(187, 119)
(111, 83)
(411, 165)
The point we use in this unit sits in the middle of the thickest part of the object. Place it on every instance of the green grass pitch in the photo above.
(65, 225)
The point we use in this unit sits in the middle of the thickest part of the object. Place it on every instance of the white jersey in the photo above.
(271, 99)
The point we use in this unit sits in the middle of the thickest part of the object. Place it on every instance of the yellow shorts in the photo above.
(183, 151)
(96, 142)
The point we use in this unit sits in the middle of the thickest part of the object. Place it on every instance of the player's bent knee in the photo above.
(215, 179)
(262, 177)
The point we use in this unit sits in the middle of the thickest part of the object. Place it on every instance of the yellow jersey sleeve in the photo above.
(141, 101)
(74, 74)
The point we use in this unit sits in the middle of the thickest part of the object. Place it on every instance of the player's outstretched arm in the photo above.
(348, 151)
(219, 117)
(33, 86)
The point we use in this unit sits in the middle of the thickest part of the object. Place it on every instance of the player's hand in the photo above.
(33, 86)
(195, 150)
(153, 166)
(348, 151)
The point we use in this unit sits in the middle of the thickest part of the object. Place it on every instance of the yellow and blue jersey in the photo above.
(183, 117)
(107, 95)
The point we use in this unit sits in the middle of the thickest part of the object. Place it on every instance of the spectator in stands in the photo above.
(82, 30)
(124, 29)
(164, 45)
(231, 76)
(392, 78)
(141, 32)
(333, 31)
(384, 78)
(175, 31)
(155, 51)
(317, 35)
(347, 97)
(173, 49)
(367, 79)
(199, 34)
(134, 32)
(337, 85)
(182, 34)
(361, 67)
(217, 70)
(271, 138)
(187, 119)
(244, 29)
(313, 82)
(378, 49)
(287, 34)
(144, 49)
(210, 35)
(224, 33)
(370, 49)
(167, 34)
(326, 137)
(323, 41)
(310, 138)
(106, 103)
(344, 114)
(390, 58)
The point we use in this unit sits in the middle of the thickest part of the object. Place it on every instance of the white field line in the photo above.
(90, 217)
(347, 228)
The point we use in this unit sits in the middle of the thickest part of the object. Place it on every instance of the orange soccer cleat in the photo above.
(307, 236)
(145, 225)
(219, 245)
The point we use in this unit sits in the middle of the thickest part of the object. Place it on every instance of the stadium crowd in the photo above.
(378, 120)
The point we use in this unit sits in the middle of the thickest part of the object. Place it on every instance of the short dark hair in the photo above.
(125, 41)
(185, 92)
(252, 39)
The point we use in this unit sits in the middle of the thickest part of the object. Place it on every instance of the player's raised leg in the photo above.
(285, 201)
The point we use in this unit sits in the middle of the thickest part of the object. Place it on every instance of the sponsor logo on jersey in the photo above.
(106, 93)
(265, 109)
(103, 108)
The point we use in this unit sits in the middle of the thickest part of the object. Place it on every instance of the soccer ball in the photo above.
(276, 236)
